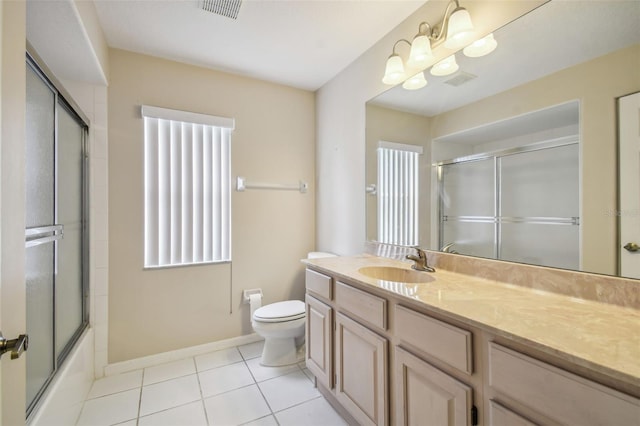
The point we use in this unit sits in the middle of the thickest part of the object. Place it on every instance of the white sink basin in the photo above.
(391, 273)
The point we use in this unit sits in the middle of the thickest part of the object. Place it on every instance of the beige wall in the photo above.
(596, 84)
(159, 310)
(389, 125)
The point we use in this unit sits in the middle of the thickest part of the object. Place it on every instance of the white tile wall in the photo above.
(99, 200)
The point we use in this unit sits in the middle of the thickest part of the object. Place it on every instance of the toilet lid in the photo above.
(288, 310)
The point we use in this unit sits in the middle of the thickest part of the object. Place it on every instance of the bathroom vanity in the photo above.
(393, 346)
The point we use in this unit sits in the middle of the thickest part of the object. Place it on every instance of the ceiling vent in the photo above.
(228, 8)
(460, 79)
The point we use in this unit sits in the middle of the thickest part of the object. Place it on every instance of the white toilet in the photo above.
(282, 324)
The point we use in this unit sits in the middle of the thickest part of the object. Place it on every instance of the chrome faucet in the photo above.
(420, 261)
(448, 249)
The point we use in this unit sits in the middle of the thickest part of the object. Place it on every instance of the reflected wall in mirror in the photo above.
(551, 83)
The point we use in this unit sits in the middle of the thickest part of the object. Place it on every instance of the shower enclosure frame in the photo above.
(63, 100)
(497, 219)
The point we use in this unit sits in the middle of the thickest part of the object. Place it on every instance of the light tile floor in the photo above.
(227, 387)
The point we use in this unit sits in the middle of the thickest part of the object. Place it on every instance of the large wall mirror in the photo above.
(515, 155)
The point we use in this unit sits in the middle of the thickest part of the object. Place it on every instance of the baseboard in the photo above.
(161, 358)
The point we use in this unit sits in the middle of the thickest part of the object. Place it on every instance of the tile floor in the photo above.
(227, 387)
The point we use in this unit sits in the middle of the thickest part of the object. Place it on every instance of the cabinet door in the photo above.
(319, 341)
(427, 396)
(361, 370)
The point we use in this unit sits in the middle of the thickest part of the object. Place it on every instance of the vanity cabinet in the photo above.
(343, 351)
(319, 347)
(551, 395)
(319, 327)
(386, 359)
(425, 395)
(361, 371)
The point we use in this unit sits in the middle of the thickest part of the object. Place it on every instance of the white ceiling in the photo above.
(299, 43)
(557, 35)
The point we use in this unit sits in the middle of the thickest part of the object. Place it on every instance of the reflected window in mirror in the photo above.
(397, 193)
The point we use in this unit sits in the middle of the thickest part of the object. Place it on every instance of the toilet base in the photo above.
(278, 352)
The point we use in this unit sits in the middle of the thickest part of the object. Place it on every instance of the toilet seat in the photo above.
(288, 310)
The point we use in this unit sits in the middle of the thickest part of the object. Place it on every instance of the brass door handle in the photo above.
(632, 247)
(16, 346)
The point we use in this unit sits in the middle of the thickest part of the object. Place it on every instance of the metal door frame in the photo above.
(63, 100)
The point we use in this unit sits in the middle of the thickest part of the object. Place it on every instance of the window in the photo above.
(398, 193)
(187, 188)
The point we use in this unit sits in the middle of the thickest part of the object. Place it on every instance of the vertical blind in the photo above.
(398, 193)
(187, 188)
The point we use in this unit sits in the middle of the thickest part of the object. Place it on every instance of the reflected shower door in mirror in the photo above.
(550, 77)
(519, 205)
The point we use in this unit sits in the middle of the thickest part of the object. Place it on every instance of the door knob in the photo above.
(632, 247)
(16, 346)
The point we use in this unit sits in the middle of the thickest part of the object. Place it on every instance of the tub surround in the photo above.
(577, 318)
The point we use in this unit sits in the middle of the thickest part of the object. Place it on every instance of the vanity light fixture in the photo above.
(415, 82)
(394, 71)
(445, 67)
(481, 47)
(456, 31)
(421, 55)
(460, 31)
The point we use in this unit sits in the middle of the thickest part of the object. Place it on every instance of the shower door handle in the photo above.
(632, 247)
(16, 346)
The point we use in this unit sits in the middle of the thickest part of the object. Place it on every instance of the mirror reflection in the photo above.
(513, 156)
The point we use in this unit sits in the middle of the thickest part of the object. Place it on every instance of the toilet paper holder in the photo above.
(250, 292)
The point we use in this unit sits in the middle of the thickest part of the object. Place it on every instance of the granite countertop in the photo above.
(599, 336)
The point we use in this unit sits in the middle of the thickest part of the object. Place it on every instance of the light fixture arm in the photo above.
(438, 34)
(396, 43)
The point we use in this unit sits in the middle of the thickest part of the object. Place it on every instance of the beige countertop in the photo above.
(599, 336)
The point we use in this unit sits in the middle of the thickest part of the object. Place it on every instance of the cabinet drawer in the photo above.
(367, 307)
(319, 284)
(443, 341)
(502, 416)
(558, 394)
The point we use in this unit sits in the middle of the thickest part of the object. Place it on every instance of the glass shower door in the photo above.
(56, 235)
(69, 276)
(468, 208)
(41, 232)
